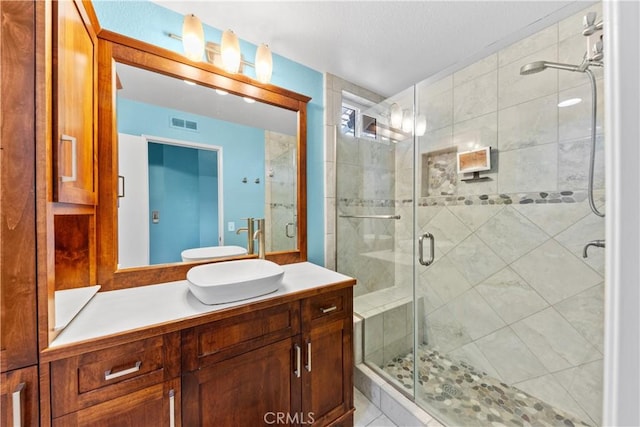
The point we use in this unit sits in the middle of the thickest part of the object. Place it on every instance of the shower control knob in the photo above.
(597, 51)
(588, 23)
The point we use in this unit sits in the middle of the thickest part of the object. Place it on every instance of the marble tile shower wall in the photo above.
(509, 291)
(280, 189)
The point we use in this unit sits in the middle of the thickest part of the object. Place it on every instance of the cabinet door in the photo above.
(74, 104)
(327, 386)
(251, 389)
(18, 339)
(158, 405)
(327, 392)
(20, 397)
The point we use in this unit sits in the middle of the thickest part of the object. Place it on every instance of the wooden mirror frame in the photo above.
(114, 48)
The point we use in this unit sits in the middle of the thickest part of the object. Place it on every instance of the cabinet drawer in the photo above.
(330, 305)
(216, 341)
(101, 375)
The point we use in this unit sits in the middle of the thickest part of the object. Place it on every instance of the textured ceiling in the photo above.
(384, 46)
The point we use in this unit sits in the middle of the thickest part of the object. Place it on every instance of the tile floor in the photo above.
(367, 414)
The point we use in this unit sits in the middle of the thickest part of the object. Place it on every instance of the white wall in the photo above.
(622, 347)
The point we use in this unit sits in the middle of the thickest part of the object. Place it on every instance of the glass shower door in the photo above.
(375, 226)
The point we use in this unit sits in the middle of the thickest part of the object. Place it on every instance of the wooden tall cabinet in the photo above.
(18, 337)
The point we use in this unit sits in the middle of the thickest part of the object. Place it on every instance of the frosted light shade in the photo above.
(192, 37)
(264, 64)
(230, 52)
(395, 116)
(407, 121)
(421, 125)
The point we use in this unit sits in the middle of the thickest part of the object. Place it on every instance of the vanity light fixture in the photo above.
(192, 37)
(421, 125)
(230, 51)
(264, 63)
(395, 116)
(225, 55)
(407, 121)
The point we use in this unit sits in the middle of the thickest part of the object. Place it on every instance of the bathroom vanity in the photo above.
(155, 355)
(143, 351)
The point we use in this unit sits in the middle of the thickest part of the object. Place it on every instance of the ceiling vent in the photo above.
(178, 123)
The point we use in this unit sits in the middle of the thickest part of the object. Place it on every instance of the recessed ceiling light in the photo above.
(569, 102)
(249, 100)
(189, 83)
(221, 92)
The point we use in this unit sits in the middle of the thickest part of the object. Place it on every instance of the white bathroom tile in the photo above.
(437, 108)
(368, 383)
(529, 169)
(443, 279)
(472, 355)
(373, 336)
(585, 312)
(475, 315)
(397, 412)
(475, 70)
(591, 227)
(366, 411)
(477, 132)
(554, 341)
(475, 260)
(575, 121)
(584, 384)
(426, 214)
(549, 390)
(445, 331)
(510, 296)
(555, 273)
(571, 51)
(430, 299)
(574, 158)
(514, 88)
(475, 97)
(435, 140)
(530, 123)
(554, 218)
(394, 324)
(510, 234)
(529, 45)
(381, 421)
(447, 230)
(474, 216)
(510, 356)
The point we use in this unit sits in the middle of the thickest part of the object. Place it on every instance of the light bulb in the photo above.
(230, 52)
(263, 63)
(407, 121)
(395, 116)
(421, 125)
(192, 37)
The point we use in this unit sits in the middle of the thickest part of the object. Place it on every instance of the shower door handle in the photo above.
(432, 246)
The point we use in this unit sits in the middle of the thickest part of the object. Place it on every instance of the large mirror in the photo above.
(184, 159)
(195, 165)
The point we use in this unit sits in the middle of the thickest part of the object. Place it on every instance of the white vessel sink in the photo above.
(212, 252)
(234, 280)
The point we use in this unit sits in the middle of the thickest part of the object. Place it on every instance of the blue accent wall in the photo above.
(150, 22)
(242, 156)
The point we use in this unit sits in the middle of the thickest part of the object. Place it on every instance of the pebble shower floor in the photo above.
(463, 396)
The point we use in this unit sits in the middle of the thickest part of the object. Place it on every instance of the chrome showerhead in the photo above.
(537, 66)
(533, 67)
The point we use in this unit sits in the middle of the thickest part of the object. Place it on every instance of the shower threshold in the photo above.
(459, 395)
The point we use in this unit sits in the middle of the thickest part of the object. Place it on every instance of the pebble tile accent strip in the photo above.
(463, 396)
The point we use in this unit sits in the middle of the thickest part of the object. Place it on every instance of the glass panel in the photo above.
(375, 232)
(511, 331)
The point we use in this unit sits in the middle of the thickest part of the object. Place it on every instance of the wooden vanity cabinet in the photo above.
(288, 365)
(19, 397)
(327, 376)
(132, 384)
(75, 74)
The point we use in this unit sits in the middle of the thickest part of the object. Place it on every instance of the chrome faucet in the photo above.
(250, 234)
(259, 234)
(596, 243)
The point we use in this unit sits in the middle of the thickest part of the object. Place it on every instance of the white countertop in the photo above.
(118, 311)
